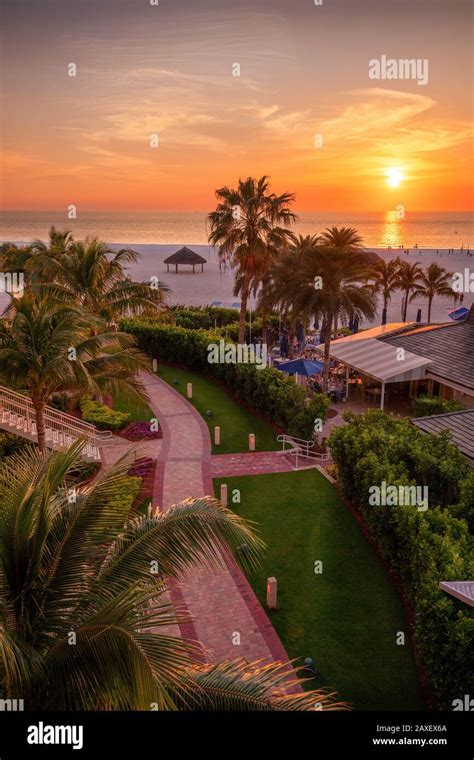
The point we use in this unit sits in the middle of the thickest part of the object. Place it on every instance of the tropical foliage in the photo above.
(250, 227)
(421, 547)
(48, 346)
(84, 623)
(268, 391)
(326, 282)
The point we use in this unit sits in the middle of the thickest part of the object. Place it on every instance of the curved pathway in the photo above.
(220, 601)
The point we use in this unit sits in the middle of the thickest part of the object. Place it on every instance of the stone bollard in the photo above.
(190, 390)
(224, 494)
(217, 435)
(271, 593)
(251, 442)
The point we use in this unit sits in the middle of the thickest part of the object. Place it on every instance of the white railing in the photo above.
(17, 415)
(312, 457)
(295, 443)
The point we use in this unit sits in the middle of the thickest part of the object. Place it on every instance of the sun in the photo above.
(394, 177)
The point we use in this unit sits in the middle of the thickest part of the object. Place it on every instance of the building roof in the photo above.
(375, 332)
(450, 347)
(463, 590)
(379, 360)
(459, 424)
(185, 256)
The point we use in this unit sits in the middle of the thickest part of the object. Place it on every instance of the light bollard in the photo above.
(224, 494)
(217, 435)
(190, 390)
(272, 588)
(251, 442)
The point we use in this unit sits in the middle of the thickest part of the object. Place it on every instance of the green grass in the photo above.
(346, 618)
(139, 411)
(235, 422)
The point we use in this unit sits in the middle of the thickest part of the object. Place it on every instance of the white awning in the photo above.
(380, 360)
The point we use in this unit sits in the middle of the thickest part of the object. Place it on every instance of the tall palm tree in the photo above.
(82, 614)
(321, 281)
(434, 282)
(384, 276)
(47, 347)
(249, 225)
(92, 274)
(407, 280)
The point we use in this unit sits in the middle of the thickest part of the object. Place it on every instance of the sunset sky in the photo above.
(143, 69)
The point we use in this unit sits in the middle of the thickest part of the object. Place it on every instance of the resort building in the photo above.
(412, 358)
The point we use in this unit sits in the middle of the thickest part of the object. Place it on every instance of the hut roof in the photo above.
(185, 256)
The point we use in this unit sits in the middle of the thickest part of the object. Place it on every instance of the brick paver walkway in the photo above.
(251, 463)
(220, 601)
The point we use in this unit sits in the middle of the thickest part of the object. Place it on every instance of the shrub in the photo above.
(130, 488)
(424, 406)
(271, 393)
(138, 431)
(102, 416)
(423, 548)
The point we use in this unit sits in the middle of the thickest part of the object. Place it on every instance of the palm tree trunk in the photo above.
(327, 327)
(243, 308)
(430, 301)
(264, 328)
(39, 406)
(405, 305)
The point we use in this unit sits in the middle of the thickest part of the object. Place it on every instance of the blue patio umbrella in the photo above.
(351, 325)
(460, 313)
(384, 317)
(304, 367)
(355, 329)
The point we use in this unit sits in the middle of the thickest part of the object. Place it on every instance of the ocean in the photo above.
(154, 235)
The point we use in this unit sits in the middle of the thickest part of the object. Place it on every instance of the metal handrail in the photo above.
(295, 442)
(314, 455)
(17, 411)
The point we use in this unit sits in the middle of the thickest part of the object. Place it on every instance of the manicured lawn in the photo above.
(235, 422)
(345, 618)
(139, 411)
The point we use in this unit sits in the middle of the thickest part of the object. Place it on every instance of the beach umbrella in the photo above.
(460, 313)
(351, 325)
(384, 317)
(418, 315)
(355, 328)
(304, 367)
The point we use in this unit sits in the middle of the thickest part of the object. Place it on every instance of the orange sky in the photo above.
(143, 70)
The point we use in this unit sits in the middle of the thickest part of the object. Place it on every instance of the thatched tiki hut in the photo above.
(185, 256)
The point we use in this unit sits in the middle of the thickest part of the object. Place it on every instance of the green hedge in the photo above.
(424, 406)
(276, 397)
(102, 416)
(423, 548)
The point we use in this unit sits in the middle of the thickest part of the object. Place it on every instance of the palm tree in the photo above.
(384, 276)
(408, 277)
(249, 225)
(324, 282)
(46, 347)
(433, 282)
(343, 238)
(92, 274)
(82, 613)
